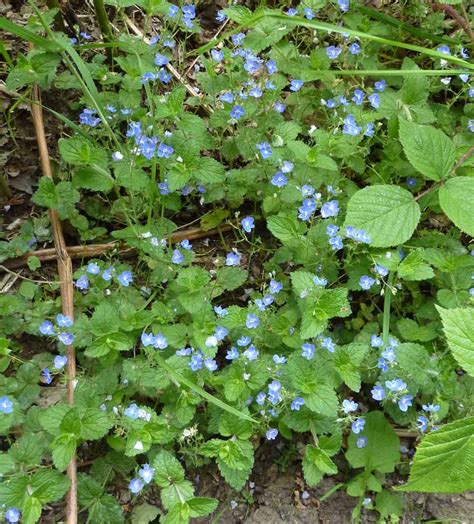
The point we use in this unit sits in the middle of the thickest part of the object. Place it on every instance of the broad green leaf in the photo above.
(80, 152)
(415, 87)
(389, 214)
(201, 506)
(61, 197)
(64, 447)
(428, 149)
(167, 469)
(383, 445)
(444, 460)
(458, 326)
(94, 178)
(413, 267)
(285, 227)
(144, 514)
(456, 198)
(322, 401)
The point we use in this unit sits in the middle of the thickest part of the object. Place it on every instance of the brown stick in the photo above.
(93, 250)
(449, 10)
(66, 286)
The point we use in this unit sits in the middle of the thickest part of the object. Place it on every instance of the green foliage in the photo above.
(335, 300)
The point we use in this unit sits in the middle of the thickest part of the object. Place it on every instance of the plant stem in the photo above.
(386, 307)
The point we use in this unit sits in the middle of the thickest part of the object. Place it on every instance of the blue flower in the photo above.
(132, 411)
(296, 85)
(196, 362)
(232, 354)
(252, 321)
(327, 343)
(378, 393)
(93, 269)
(12, 515)
(279, 107)
(405, 402)
(146, 77)
(275, 287)
(260, 398)
(395, 385)
(308, 350)
(136, 485)
(46, 374)
(431, 408)
(382, 365)
(221, 332)
(265, 150)
(292, 11)
(308, 13)
(87, 118)
(184, 352)
(177, 257)
(359, 235)
(380, 86)
(248, 223)
(146, 472)
(389, 354)
(221, 16)
(443, 49)
(125, 278)
(251, 353)
(333, 52)
(279, 360)
(64, 321)
(358, 425)
(66, 338)
(336, 243)
(59, 362)
(279, 180)
(160, 341)
(271, 67)
(232, 259)
(227, 97)
(374, 100)
(108, 274)
(161, 60)
(255, 92)
(117, 156)
(422, 423)
(6, 405)
(296, 404)
(354, 49)
(411, 182)
(381, 270)
(185, 244)
(189, 11)
(369, 129)
(271, 434)
(376, 341)
(358, 97)
(147, 339)
(238, 39)
(46, 328)
(348, 406)
(330, 209)
(366, 282)
(320, 281)
(210, 364)
(361, 442)
(244, 341)
(343, 5)
(237, 112)
(350, 126)
(217, 55)
(164, 150)
(287, 166)
(155, 38)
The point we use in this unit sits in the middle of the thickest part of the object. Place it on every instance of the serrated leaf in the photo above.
(323, 400)
(94, 178)
(80, 152)
(456, 199)
(285, 227)
(64, 447)
(458, 326)
(413, 267)
(428, 149)
(389, 214)
(61, 197)
(201, 506)
(444, 460)
(167, 469)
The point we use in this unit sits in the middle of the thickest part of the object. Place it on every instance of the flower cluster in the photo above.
(60, 331)
(125, 278)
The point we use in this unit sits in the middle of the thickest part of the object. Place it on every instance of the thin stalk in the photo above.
(386, 307)
(104, 25)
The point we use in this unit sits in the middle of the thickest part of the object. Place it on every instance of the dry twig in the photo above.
(66, 286)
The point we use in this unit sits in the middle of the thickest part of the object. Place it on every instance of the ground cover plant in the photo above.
(284, 209)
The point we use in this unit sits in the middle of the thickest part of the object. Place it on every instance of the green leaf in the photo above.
(415, 87)
(389, 214)
(444, 460)
(456, 198)
(285, 227)
(323, 400)
(95, 424)
(388, 504)
(175, 493)
(144, 514)
(167, 469)
(383, 445)
(93, 177)
(201, 506)
(458, 326)
(80, 152)
(61, 197)
(64, 447)
(49, 485)
(209, 171)
(31, 510)
(428, 149)
(413, 267)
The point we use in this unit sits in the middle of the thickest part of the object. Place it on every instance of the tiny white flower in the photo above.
(138, 446)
